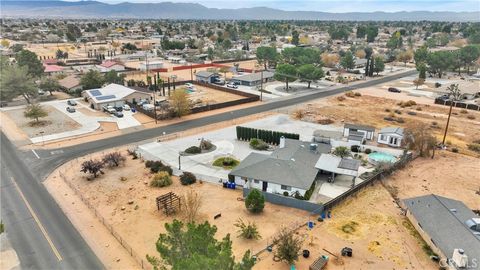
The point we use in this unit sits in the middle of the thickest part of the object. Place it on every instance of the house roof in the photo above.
(108, 64)
(338, 165)
(52, 68)
(69, 82)
(359, 127)
(395, 130)
(205, 74)
(109, 93)
(355, 137)
(444, 220)
(293, 165)
(253, 77)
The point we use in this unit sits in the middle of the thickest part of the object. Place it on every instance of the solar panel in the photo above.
(95, 93)
(349, 164)
(105, 97)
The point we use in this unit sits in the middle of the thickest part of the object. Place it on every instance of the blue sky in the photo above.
(337, 5)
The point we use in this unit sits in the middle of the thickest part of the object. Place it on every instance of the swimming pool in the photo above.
(189, 91)
(376, 157)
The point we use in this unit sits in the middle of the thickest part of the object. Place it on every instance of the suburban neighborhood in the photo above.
(173, 135)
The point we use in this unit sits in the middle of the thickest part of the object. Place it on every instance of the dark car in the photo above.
(70, 109)
(394, 90)
(119, 108)
(118, 114)
(71, 102)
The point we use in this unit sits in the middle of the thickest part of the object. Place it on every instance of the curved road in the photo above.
(40, 232)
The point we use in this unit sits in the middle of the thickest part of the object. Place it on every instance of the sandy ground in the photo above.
(379, 239)
(140, 223)
(55, 122)
(448, 174)
(206, 95)
(462, 130)
(13, 132)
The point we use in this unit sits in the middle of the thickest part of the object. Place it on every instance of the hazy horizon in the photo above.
(334, 6)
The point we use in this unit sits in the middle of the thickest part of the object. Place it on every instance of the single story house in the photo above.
(329, 163)
(70, 83)
(360, 62)
(53, 69)
(253, 79)
(449, 227)
(151, 65)
(391, 136)
(206, 76)
(110, 65)
(290, 168)
(366, 132)
(113, 95)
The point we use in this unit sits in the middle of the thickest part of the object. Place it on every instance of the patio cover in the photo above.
(337, 165)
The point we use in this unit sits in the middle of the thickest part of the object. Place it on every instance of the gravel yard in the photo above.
(55, 122)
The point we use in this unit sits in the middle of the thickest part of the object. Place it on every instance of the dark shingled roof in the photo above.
(359, 127)
(444, 220)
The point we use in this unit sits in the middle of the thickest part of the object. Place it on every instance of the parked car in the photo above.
(70, 109)
(394, 90)
(118, 108)
(41, 92)
(118, 114)
(126, 107)
(109, 109)
(71, 102)
(232, 85)
(148, 107)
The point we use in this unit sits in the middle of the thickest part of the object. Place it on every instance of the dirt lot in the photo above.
(207, 95)
(451, 175)
(371, 110)
(373, 213)
(55, 122)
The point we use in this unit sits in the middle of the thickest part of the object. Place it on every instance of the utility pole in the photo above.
(448, 122)
(455, 93)
(261, 85)
(191, 72)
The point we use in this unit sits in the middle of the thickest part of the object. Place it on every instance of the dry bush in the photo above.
(325, 121)
(350, 94)
(191, 204)
(471, 117)
(340, 98)
(298, 114)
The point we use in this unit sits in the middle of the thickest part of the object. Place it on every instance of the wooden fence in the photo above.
(458, 104)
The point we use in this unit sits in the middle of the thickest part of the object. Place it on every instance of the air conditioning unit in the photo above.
(459, 258)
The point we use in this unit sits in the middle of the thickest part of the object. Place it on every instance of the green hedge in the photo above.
(268, 136)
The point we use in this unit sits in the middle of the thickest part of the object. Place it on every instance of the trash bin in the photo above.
(306, 253)
(133, 110)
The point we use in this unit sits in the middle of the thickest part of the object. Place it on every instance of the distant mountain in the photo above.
(168, 10)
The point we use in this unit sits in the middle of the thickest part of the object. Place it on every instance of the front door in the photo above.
(264, 186)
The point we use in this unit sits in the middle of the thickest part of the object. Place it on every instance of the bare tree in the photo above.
(113, 159)
(418, 137)
(93, 167)
(191, 204)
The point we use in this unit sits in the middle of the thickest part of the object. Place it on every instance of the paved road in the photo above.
(50, 161)
(38, 230)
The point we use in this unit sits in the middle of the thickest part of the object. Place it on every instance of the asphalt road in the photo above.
(40, 232)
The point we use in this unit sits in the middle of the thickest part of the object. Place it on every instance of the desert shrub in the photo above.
(247, 231)
(341, 98)
(309, 192)
(325, 121)
(193, 150)
(355, 148)
(471, 117)
(298, 114)
(226, 162)
(437, 85)
(123, 178)
(187, 178)
(157, 166)
(412, 113)
(455, 150)
(161, 179)
(400, 120)
(191, 204)
(341, 151)
(474, 147)
(258, 144)
(434, 123)
(388, 118)
(255, 201)
(463, 111)
(350, 94)
(368, 151)
(357, 94)
(94, 167)
(288, 246)
(132, 153)
(206, 145)
(166, 169)
(285, 193)
(113, 159)
(398, 112)
(387, 110)
(418, 108)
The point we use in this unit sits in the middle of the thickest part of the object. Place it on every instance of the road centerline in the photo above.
(34, 215)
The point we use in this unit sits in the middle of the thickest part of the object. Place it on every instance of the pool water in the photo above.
(381, 157)
(189, 91)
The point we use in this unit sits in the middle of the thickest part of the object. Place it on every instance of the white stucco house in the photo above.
(113, 95)
(290, 168)
(358, 133)
(391, 136)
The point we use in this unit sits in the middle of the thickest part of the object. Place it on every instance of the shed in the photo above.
(366, 131)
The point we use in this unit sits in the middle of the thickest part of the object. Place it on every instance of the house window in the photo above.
(256, 181)
(382, 137)
(286, 187)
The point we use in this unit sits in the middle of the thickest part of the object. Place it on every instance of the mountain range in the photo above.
(169, 10)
